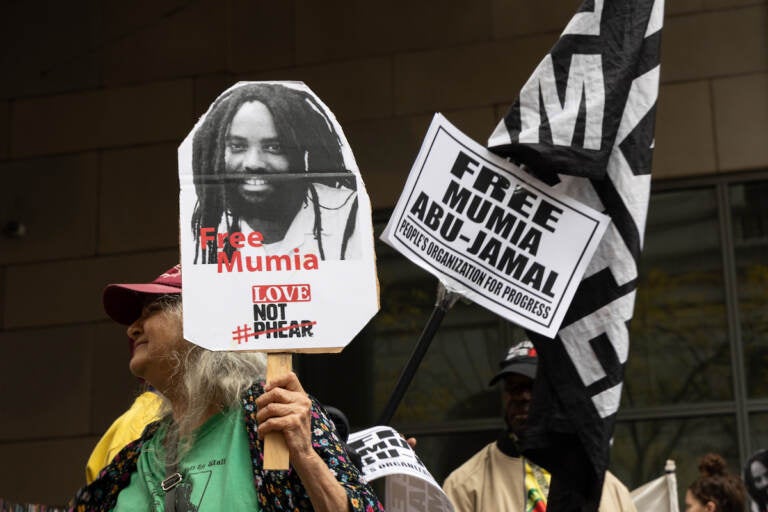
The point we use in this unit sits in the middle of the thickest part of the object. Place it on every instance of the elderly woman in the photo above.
(206, 451)
(716, 489)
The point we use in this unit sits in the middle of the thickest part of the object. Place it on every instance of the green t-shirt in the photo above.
(217, 471)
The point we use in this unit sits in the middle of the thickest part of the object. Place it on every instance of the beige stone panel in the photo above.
(517, 17)
(207, 89)
(500, 111)
(468, 76)
(155, 112)
(353, 90)
(187, 41)
(113, 387)
(117, 20)
(260, 35)
(684, 131)
(139, 199)
(122, 116)
(741, 115)
(46, 471)
(47, 48)
(387, 148)
(73, 288)
(2, 295)
(688, 6)
(714, 44)
(55, 200)
(46, 375)
(683, 6)
(340, 30)
(436, 23)
(5, 129)
(57, 124)
(327, 31)
(723, 4)
(477, 123)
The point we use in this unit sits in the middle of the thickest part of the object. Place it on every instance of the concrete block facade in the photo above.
(97, 95)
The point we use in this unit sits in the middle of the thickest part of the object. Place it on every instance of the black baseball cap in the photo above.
(521, 359)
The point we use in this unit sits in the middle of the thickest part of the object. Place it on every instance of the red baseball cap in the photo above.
(123, 302)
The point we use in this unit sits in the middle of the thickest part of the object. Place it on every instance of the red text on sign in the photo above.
(237, 239)
(281, 293)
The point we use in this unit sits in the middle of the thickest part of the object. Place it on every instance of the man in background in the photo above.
(498, 477)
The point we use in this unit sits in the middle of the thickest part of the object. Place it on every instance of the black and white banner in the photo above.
(584, 123)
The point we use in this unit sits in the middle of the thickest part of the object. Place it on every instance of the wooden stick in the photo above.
(275, 449)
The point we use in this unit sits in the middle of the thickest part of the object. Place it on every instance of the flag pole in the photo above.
(444, 301)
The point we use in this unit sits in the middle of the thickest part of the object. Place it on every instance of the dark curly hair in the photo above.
(302, 125)
(718, 485)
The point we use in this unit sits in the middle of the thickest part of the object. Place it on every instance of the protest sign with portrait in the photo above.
(276, 235)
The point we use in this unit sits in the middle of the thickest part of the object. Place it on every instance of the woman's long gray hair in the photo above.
(204, 379)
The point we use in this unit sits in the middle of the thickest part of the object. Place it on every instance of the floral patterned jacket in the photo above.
(277, 491)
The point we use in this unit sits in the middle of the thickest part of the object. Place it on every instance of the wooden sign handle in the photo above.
(275, 449)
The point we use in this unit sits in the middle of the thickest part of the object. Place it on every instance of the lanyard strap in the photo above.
(173, 479)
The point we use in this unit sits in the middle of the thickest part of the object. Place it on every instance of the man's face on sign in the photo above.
(759, 476)
(516, 399)
(254, 149)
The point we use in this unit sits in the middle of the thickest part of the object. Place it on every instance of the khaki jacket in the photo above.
(491, 481)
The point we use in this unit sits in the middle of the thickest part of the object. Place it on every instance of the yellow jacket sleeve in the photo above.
(123, 430)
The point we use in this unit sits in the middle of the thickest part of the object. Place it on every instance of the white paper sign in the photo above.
(410, 487)
(276, 235)
(491, 232)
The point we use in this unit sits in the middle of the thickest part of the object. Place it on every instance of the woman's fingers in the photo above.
(282, 396)
(292, 422)
(284, 407)
(278, 409)
(289, 425)
(288, 381)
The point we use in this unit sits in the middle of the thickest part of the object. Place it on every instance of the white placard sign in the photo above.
(491, 232)
(276, 235)
(410, 486)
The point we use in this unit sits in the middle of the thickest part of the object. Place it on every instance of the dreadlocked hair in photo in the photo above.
(307, 134)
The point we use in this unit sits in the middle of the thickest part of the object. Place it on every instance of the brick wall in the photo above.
(95, 97)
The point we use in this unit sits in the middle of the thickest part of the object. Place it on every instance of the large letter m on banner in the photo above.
(583, 88)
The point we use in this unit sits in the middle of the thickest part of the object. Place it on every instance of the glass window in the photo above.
(679, 349)
(641, 448)
(758, 427)
(452, 380)
(749, 217)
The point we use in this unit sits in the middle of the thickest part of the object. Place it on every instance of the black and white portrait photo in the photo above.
(268, 159)
(273, 215)
(756, 480)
